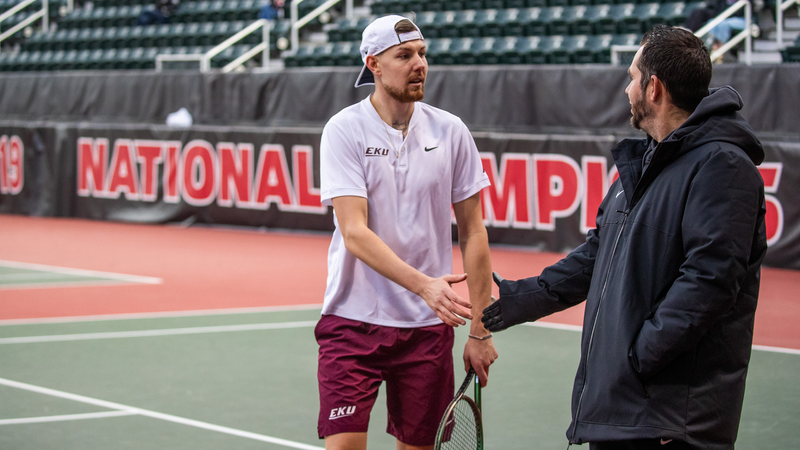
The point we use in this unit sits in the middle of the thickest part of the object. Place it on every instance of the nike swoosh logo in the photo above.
(665, 441)
(432, 148)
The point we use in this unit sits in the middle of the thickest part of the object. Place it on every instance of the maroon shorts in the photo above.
(355, 357)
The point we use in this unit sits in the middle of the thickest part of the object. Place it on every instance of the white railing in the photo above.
(780, 7)
(299, 23)
(43, 14)
(750, 30)
(205, 58)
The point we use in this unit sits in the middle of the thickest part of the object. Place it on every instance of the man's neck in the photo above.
(672, 119)
(394, 113)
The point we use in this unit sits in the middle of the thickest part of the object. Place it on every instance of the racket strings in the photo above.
(461, 429)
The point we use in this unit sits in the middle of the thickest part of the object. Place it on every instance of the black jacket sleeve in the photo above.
(560, 286)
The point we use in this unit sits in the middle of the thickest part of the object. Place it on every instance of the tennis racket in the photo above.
(461, 427)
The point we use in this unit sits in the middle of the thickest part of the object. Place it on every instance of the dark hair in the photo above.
(680, 60)
(404, 26)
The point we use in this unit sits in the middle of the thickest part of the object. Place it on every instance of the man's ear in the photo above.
(373, 65)
(656, 91)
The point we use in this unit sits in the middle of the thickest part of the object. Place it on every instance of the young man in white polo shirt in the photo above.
(392, 168)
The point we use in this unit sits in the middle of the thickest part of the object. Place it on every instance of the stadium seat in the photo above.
(533, 20)
(488, 24)
(440, 52)
(531, 49)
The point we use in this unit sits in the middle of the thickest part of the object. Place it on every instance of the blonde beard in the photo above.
(406, 95)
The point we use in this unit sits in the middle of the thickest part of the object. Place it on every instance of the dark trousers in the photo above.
(641, 444)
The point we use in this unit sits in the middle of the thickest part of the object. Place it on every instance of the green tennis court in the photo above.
(248, 380)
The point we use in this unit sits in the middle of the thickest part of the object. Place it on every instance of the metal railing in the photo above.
(780, 7)
(750, 30)
(43, 14)
(205, 58)
(299, 23)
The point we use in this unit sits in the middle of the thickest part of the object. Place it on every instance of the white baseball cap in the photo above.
(379, 36)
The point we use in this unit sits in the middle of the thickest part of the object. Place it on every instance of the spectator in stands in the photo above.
(164, 9)
(670, 275)
(713, 8)
(273, 10)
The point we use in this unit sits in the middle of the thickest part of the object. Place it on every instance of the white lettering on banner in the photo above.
(197, 173)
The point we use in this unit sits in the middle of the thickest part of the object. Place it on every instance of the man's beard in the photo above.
(641, 111)
(405, 95)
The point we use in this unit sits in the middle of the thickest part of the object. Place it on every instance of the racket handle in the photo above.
(478, 392)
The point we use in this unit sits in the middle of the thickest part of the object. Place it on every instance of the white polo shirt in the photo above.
(409, 186)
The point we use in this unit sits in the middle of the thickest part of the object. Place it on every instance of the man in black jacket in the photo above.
(671, 273)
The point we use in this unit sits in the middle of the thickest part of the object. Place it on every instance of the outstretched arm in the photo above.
(474, 243)
(351, 214)
(560, 286)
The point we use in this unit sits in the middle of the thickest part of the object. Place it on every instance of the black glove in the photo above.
(511, 309)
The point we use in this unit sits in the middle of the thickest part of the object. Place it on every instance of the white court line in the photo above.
(159, 315)
(162, 332)
(66, 417)
(64, 284)
(157, 415)
(558, 326)
(765, 348)
(82, 272)
(554, 326)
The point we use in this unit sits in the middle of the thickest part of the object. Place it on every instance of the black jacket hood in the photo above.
(717, 119)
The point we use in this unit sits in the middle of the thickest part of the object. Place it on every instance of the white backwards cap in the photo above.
(379, 36)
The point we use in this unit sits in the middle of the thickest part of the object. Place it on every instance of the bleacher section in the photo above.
(107, 37)
(505, 31)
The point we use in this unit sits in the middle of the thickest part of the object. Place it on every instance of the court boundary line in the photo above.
(66, 417)
(157, 415)
(159, 315)
(158, 332)
(565, 327)
(81, 272)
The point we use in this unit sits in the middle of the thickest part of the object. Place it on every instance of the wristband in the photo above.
(480, 338)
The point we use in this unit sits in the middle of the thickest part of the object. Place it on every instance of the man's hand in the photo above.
(480, 355)
(509, 310)
(444, 301)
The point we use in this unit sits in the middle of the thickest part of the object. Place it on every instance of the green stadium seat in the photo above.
(430, 23)
(464, 51)
(493, 4)
(554, 20)
(674, 13)
(529, 49)
(295, 59)
(487, 51)
(582, 19)
(556, 49)
(440, 53)
(533, 20)
(348, 54)
(640, 18)
(488, 23)
(340, 29)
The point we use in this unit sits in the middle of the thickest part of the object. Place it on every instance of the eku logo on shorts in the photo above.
(344, 411)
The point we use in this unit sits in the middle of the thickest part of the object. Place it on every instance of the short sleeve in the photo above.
(341, 169)
(468, 174)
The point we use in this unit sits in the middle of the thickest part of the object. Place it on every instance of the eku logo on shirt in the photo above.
(375, 151)
(344, 411)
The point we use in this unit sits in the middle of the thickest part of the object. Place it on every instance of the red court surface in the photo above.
(215, 268)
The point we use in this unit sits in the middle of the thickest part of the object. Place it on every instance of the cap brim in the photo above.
(365, 77)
